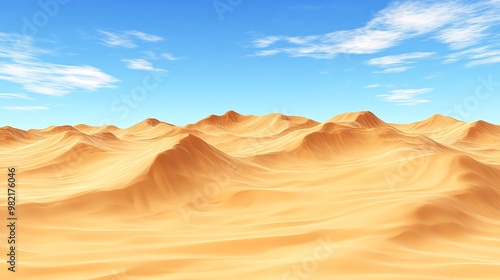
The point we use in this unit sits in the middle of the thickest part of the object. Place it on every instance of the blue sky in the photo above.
(99, 62)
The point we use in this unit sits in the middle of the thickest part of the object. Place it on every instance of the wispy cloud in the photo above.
(267, 52)
(55, 79)
(169, 56)
(453, 57)
(110, 39)
(432, 76)
(141, 64)
(488, 54)
(460, 37)
(126, 39)
(399, 59)
(37, 76)
(488, 60)
(408, 97)
(18, 47)
(25, 108)
(394, 70)
(265, 41)
(144, 36)
(373, 86)
(149, 55)
(397, 63)
(458, 24)
(14, 96)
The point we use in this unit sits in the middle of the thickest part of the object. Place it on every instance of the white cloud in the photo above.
(153, 56)
(25, 108)
(395, 70)
(362, 41)
(169, 56)
(462, 36)
(267, 52)
(432, 76)
(126, 39)
(412, 18)
(141, 64)
(485, 54)
(391, 60)
(54, 79)
(489, 60)
(488, 54)
(116, 40)
(396, 63)
(453, 57)
(379, 86)
(14, 96)
(265, 41)
(18, 47)
(301, 40)
(407, 97)
(458, 24)
(144, 36)
(41, 77)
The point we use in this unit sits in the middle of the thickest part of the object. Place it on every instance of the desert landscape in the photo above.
(257, 197)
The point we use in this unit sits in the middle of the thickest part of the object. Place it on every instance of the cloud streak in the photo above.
(488, 54)
(26, 69)
(55, 79)
(126, 39)
(401, 59)
(394, 70)
(25, 108)
(14, 96)
(458, 24)
(142, 65)
(169, 56)
(408, 97)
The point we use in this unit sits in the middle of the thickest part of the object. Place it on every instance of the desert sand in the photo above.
(256, 197)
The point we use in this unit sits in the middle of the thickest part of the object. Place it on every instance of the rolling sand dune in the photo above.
(257, 197)
(10, 135)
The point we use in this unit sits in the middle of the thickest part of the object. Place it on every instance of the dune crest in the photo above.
(228, 118)
(365, 119)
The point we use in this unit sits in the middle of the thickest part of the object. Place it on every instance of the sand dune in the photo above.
(10, 135)
(257, 197)
(365, 119)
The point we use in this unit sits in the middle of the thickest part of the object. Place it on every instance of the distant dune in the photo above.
(257, 197)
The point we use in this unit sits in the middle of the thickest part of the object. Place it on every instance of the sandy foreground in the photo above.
(255, 197)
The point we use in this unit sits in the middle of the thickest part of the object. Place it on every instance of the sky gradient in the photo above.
(97, 62)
